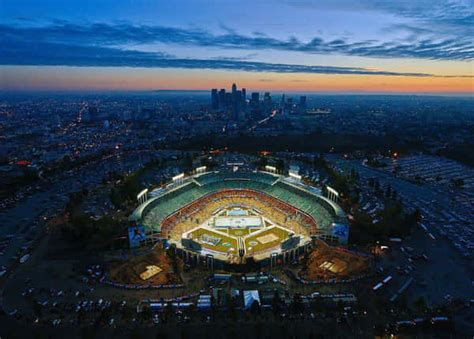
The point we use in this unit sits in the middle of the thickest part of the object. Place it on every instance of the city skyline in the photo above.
(327, 47)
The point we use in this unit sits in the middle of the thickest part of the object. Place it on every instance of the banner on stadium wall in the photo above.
(341, 231)
(136, 235)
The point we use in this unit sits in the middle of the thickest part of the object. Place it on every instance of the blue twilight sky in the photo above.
(419, 46)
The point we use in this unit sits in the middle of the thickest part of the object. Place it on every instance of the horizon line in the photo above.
(277, 91)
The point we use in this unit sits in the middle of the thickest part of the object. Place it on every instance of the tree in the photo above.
(188, 163)
(161, 334)
(371, 182)
(376, 185)
(420, 304)
(146, 313)
(354, 174)
(412, 219)
(324, 191)
(168, 314)
(136, 334)
(262, 162)
(297, 303)
(127, 312)
(280, 165)
(37, 309)
(255, 308)
(318, 305)
(233, 308)
(276, 303)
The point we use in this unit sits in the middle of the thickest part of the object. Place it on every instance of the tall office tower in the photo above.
(237, 105)
(243, 100)
(214, 99)
(303, 102)
(222, 98)
(233, 100)
(288, 107)
(254, 100)
(267, 96)
(228, 100)
(267, 102)
(282, 104)
(238, 96)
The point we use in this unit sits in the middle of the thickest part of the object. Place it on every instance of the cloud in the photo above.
(453, 16)
(124, 34)
(243, 57)
(457, 14)
(437, 19)
(40, 53)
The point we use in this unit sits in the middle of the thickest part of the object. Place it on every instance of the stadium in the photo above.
(237, 217)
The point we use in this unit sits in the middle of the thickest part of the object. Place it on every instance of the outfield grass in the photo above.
(220, 246)
(238, 232)
(280, 233)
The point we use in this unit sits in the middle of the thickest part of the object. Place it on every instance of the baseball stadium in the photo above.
(234, 217)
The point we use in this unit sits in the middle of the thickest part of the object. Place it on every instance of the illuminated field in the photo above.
(226, 244)
(266, 239)
(239, 223)
(239, 232)
(234, 219)
(325, 262)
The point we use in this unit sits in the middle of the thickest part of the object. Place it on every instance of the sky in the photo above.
(334, 46)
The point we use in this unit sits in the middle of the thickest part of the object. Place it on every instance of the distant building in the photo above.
(222, 98)
(93, 113)
(236, 105)
(255, 100)
(228, 99)
(214, 99)
(235, 102)
(282, 104)
(303, 102)
(267, 102)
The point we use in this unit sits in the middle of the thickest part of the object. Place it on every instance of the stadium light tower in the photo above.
(178, 179)
(333, 195)
(142, 197)
(271, 169)
(201, 169)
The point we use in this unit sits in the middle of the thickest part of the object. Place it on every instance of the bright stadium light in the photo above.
(201, 169)
(177, 177)
(332, 193)
(296, 176)
(270, 168)
(142, 196)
